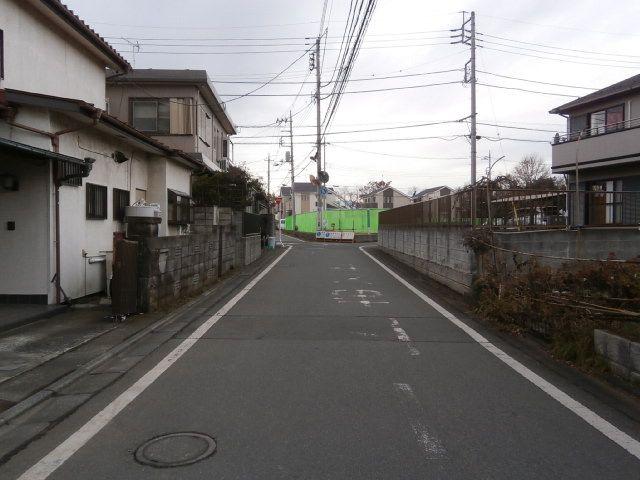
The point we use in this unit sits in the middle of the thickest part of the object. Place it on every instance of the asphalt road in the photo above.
(328, 367)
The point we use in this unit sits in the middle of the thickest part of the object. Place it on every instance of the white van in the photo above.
(281, 224)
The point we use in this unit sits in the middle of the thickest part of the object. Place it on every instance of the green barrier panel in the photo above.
(359, 221)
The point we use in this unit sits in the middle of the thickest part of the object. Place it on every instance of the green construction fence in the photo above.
(360, 221)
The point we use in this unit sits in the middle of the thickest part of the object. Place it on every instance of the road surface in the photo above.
(327, 366)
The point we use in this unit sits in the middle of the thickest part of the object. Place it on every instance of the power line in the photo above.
(303, 43)
(364, 79)
(559, 48)
(536, 81)
(448, 138)
(400, 127)
(443, 122)
(563, 60)
(374, 90)
(267, 83)
(528, 91)
(256, 52)
(180, 27)
(564, 55)
(383, 154)
(279, 38)
(562, 27)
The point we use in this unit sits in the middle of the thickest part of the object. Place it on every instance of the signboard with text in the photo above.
(335, 236)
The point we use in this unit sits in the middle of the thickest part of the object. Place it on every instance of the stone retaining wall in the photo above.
(622, 355)
(436, 251)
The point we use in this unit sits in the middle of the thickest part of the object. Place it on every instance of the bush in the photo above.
(565, 305)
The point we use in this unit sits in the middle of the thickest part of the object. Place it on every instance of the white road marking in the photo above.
(610, 431)
(403, 337)
(432, 447)
(54, 459)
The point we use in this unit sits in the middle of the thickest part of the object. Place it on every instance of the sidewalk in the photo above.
(34, 355)
(49, 368)
(14, 315)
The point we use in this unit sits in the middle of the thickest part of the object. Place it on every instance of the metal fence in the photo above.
(521, 209)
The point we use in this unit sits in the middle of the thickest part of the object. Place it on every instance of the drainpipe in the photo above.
(55, 145)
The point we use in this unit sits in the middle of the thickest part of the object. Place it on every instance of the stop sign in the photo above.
(278, 200)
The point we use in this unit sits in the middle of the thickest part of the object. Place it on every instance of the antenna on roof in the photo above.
(135, 48)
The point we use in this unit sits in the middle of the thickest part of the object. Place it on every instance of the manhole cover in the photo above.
(176, 449)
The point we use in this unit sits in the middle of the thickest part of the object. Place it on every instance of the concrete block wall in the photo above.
(596, 243)
(622, 355)
(252, 248)
(436, 251)
(170, 268)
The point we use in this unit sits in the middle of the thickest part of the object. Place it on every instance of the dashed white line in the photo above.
(403, 337)
(430, 444)
(54, 459)
(609, 430)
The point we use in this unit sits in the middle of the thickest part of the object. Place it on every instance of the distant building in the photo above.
(306, 198)
(602, 148)
(181, 108)
(431, 193)
(386, 197)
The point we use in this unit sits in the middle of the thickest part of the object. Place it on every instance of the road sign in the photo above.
(278, 200)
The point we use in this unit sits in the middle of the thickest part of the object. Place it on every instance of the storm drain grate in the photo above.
(176, 449)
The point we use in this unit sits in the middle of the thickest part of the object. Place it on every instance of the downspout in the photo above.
(55, 144)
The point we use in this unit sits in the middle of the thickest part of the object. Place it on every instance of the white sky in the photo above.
(591, 26)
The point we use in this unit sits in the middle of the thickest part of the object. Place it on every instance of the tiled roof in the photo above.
(624, 87)
(429, 190)
(69, 16)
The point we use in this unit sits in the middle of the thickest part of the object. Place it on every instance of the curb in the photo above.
(53, 388)
(34, 318)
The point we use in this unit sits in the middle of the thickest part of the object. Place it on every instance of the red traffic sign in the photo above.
(278, 200)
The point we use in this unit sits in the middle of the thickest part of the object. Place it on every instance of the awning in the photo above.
(179, 193)
(10, 146)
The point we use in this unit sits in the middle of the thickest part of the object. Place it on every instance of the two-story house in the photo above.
(431, 193)
(177, 107)
(306, 198)
(67, 168)
(385, 197)
(600, 154)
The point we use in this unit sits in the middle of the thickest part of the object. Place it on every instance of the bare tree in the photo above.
(372, 186)
(349, 195)
(532, 172)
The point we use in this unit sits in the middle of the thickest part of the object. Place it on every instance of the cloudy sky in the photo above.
(564, 43)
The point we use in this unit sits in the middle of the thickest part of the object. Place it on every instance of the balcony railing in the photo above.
(522, 209)
(596, 131)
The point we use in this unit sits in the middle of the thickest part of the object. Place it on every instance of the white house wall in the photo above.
(80, 238)
(24, 260)
(65, 68)
(178, 178)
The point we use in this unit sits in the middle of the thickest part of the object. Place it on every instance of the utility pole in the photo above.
(288, 158)
(318, 137)
(469, 38)
(293, 191)
(268, 176)
(473, 116)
